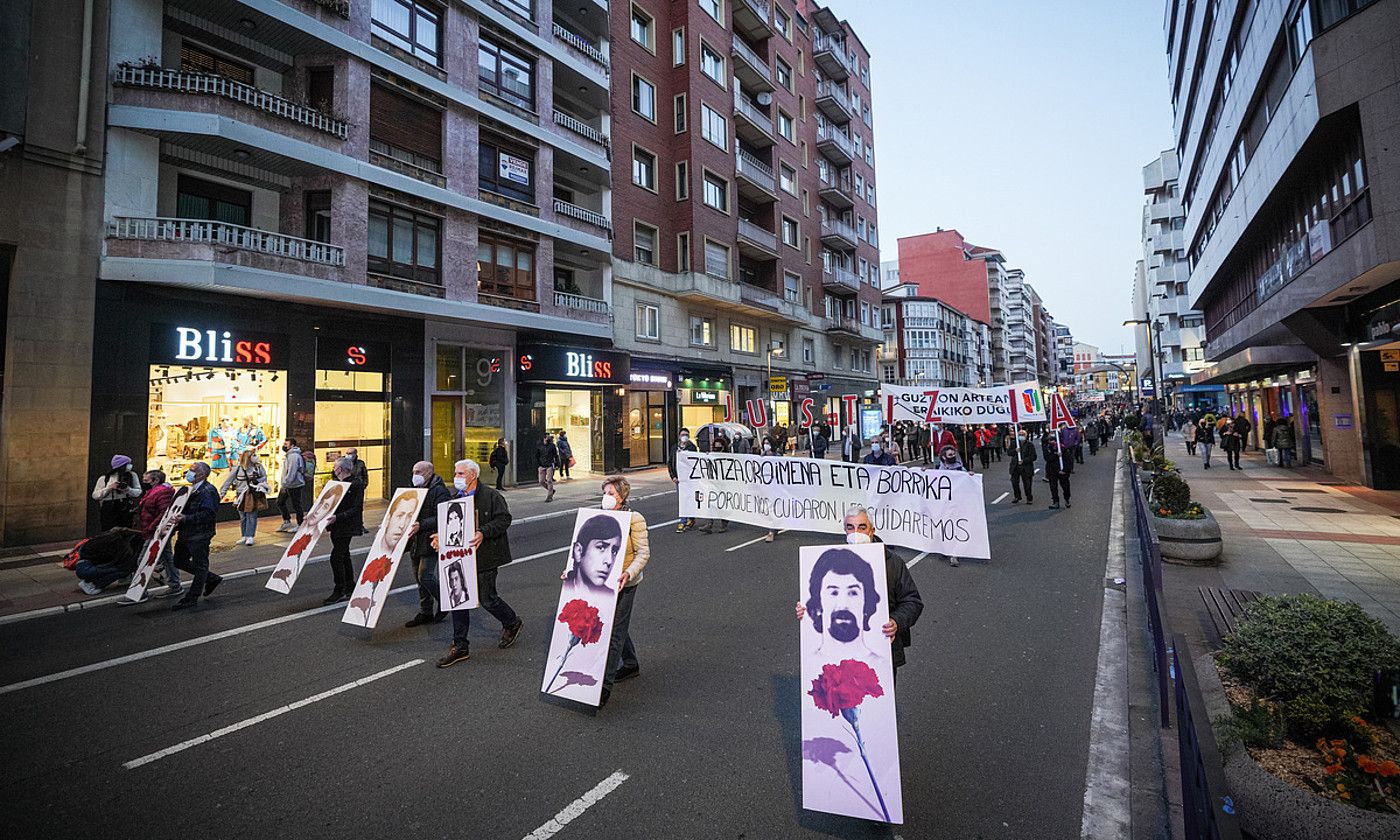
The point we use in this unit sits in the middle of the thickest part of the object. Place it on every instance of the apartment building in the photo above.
(1290, 187)
(1064, 355)
(1044, 337)
(1023, 365)
(929, 342)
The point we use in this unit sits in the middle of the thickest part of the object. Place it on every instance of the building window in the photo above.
(643, 168)
(318, 215)
(782, 23)
(505, 268)
(682, 180)
(405, 129)
(713, 126)
(716, 192)
(678, 47)
(714, 8)
(194, 58)
(320, 88)
(524, 8)
(792, 283)
(403, 243)
(716, 260)
(679, 112)
(648, 322)
(643, 28)
(506, 171)
(786, 126)
(790, 235)
(683, 251)
(644, 243)
(702, 331)
(644, 97)
(743, 339)
(809, 351)
(782, 71)
(787, 179)
(711, 63)
(506, 73)
(414, 27)
(199, 199)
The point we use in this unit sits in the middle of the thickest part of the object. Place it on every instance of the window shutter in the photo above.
(405, 123)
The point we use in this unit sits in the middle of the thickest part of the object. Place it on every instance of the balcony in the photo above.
(756, 179)
(756, 242)
(1166, 241)
(835, 145)
(838, 194)
(582, 45)
(830, 55)
(583, 214)
(838, 235)
(753, 18)
(590, 305)
(774, 305)
(581, 128)
(207, 84)
(841, 281)
(834, 101)
(846, 325)
(751, 70)
(753, 126)
(1164, 209)
(204, 232)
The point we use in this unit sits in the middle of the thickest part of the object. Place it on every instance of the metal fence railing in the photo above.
(1151, 553)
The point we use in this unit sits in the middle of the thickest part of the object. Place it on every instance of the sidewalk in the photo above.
(32, 577)
(1286, 531)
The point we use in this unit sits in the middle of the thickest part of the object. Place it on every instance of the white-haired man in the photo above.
(492, 552)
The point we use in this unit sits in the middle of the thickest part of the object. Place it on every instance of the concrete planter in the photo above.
(1189, 540)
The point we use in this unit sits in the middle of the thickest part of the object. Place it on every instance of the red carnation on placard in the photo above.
(583, 620)
(376, 570)
(299, 545)
(844, 686)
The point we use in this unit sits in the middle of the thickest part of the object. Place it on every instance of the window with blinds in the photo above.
(405, 129)
(197, 59)
(196, 198)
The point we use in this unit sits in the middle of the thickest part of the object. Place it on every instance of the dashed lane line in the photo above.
(754, 540)
(999, 498)
(576, 808)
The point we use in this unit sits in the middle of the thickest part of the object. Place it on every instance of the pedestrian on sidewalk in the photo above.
(1230, 444)
(683, 444)
(249, 483)
(116, 492)
(546, 459)
(499, 460)
(901, 594)
(1059, 465)
(154, 503)
(948, 460)
(719, 442)
(1284, 442)
(346, 523)
(194, 531)
(1242, 428)
(289, 488)
(1190, 434)
(1269, 423)
(492, 552)
(566, 454)
(107, 558)
(622, 653)
(422, 532)
(1022, 459)
(1205, 440)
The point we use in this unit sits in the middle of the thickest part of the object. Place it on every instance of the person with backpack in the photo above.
(289, 490)
(249, 483)
(566, 454)
(107, 558)
(116, 492)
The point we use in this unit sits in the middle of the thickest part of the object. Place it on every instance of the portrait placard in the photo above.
(377, 576)
(456, 557)
(308, 533)
(155, 546)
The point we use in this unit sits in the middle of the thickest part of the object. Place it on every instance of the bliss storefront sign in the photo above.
(202, 346)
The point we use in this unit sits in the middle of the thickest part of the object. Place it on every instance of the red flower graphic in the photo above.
(299, 545)
(844, 686)
(376, 570)
(583, 620)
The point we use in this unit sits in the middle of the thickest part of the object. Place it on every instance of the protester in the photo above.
(683, 444)
(499, 460)
(360, 471)
(1073, 443)
(901, 593)
(1205, 440)
(1190, 433)
(1230, 444)
(850, 446)
(1022, 459)
(546, 459)
(289, 490)
(249, 481)
(1105, 430)
(940, 437)
(107, 558)
(878, 456)
(985, 438)
(154, 503)
(817, 443)
(718, 443)
(1091, 434)
(1284, 442)
(344, 525)
(492, 552)
(424, 560)
(770, 450)
(622, 653)
(195, 529)
(948, 460)
(566, 453)
(116, 492)
(921, 438)
(1059, 464)
(1242, 428)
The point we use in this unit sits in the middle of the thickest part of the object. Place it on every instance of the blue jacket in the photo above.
(199, 514)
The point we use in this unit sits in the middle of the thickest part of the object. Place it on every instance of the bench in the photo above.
(1224, 607)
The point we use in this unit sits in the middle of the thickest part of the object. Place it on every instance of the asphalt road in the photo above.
(994, 705)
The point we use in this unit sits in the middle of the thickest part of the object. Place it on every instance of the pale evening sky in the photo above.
(1025, 125)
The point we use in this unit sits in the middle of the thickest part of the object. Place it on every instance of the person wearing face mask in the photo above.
(622, 653)
(345, 524)
(1022, 459)
(683, 444)
(940, 437)
(289, 489)
(948, 460)
(116, 493)
(424, 557)
(770, 450)
(1059, 464)
(878, 456)
(155, 502)
(901, 594)
(492, 552)
(194, 531)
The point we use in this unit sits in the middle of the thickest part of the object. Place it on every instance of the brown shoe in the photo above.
(508, 635)
(454, 655)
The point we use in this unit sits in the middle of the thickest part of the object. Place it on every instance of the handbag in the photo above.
(1272, 454)
(571, 462)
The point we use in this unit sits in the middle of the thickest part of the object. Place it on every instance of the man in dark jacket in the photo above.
(492, 552)
(683, 444)
(195, 529)
(547, 458)
(424, 559)
(878, 456)
(1059, 464)
(1022, 460)
(1243, 428)
(347, 523)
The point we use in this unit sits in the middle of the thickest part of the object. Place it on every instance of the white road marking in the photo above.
(754, 540)
(663, 524)
(576, 808)
(999, 498)
(188, 643)
(253, 721)
(917, 558)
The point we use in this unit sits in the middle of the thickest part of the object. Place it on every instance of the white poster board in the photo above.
(308, 533)
(456, 557)
(850, 742)
(155, 546)
(377, 576)
(1019, 403)
(578, 646)
(927, 510)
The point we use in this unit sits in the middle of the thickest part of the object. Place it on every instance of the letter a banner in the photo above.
(1059, 413)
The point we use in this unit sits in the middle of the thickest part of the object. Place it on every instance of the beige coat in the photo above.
(638, 550)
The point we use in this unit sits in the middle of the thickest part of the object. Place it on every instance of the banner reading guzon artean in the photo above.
(926, 510)
(1019, 403)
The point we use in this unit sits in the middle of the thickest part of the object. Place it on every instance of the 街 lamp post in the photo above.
(1156, 375)
(773, 350)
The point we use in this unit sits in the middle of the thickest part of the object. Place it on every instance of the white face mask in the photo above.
(609, 502)
(857, 538)
(685, 438)
(418, 480)
(459, 482)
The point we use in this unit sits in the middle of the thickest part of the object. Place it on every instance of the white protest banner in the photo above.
(308, 533)
(155, 546)
(456, 557)
(587, 601)
(372, 587)
(927, 510)
(850, 741)
(1020, 403)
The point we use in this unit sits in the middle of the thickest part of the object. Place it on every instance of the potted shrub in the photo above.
(1185, 529)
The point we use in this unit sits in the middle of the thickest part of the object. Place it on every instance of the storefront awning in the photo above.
(1256, 363)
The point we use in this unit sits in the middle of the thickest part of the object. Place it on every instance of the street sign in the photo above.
(777, 383)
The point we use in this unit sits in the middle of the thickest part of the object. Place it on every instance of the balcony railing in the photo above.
(581, 44)
(583, 214)
(222, 86)
(586, 304)
(830, 133)
(836, 227)
(579, 127)
(841, 277)
(750, 110)
(758, 235)
(751, 58)
(754, 168)
(339, 7)
(834, 100)
(832, 47)
(203, 231)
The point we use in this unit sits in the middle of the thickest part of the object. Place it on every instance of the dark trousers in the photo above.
(621, 652)
(425, 572)
(1021, 476)
(1059, 483)
(500, 476)
(986, 454)
(1093, 445)
(193, 556)
(564, 465)
(1079, 453)
(1232, 456)
(290, 497)
(340, 561)
(1103, 438)
(491, 601)
(99, 576)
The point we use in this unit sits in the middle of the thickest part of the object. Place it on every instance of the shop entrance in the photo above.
(646, 428)
(352, 412)
(467, 417)
(574, 411)
(1312, 425)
